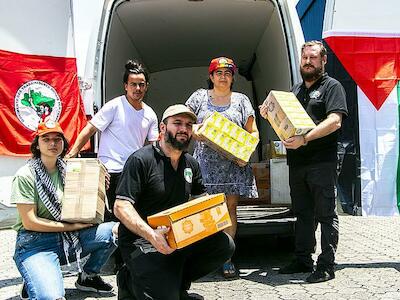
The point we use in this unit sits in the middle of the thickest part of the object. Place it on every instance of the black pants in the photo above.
(158, 276)
(312, 189)
(114, 179)
(109, 216)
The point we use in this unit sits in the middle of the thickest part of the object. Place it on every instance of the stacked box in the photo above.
(194, 220)
(280, 191)
(277, 149)
(261, 174)
(226, 137)
(286, 115)
(84, 191)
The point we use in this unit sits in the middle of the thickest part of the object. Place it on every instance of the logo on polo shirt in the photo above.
(315, 94)
(188, 174)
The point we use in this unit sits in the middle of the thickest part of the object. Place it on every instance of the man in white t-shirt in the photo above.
(125, 123)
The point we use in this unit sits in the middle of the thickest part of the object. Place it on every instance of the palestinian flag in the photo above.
(373, 62)
(34, 88)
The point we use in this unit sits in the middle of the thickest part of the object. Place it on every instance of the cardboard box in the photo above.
(194, 220)
(278, 150)
(84, 191)
(286, 115)
(229, 139)
(261, 174)
(280, 190)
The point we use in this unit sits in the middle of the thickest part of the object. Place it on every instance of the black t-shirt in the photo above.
(325, 96)
(151, 184)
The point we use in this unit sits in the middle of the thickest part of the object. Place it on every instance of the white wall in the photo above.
(358, 16)
(8, 166)
(36, 27)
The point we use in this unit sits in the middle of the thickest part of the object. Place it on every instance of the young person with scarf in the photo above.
(44, 242)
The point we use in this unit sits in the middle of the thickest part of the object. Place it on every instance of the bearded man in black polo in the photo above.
(157, 177)
(312, 160)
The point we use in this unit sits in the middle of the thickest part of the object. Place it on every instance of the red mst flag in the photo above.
(35, 88)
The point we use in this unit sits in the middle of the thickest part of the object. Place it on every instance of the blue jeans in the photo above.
(39, 255)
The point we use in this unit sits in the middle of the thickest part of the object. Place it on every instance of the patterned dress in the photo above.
(221, 175)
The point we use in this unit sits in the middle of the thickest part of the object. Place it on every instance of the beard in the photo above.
(313, 74)
(175, 143)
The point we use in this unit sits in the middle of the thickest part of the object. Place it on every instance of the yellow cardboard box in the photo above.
(226, 137)
(286, 115)
(194, 220)
(84, 191)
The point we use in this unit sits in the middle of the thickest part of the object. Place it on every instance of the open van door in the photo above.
(365, 37)
(38, 76)
(176, 40)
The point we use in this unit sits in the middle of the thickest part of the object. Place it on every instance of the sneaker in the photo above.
(23, 294)
(92, 284)
(295, 267)
(320, 275)
(229, 270)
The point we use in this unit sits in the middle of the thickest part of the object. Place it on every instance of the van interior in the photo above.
(176, 39)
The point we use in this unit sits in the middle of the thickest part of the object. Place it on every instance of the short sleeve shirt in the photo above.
(152, 185)
(325, 96)
(238, 111)
(220, 174)
(123, 131)
(24, 191)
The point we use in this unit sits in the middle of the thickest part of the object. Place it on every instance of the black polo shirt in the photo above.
(151, 184)
(325, 96)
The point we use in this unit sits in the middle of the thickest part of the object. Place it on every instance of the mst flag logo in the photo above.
(35, 88)
(37, 101)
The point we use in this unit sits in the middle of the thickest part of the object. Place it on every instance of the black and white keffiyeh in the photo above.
(47, 192)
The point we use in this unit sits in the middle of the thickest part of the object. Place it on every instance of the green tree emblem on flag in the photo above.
(43, 105)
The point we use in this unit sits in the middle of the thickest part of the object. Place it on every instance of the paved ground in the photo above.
(368, 268)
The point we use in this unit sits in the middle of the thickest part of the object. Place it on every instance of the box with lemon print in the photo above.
(286, 115)
(229, 139)
(194, 220)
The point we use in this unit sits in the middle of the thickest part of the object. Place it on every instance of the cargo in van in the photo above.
(176, 40)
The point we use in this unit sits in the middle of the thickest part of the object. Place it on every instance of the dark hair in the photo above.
(322, 51)
(35, 147)
(210, 84)
(134, 67)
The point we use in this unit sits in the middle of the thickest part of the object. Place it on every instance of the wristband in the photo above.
(304, 140)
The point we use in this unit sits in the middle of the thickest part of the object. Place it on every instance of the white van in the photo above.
(175, 40)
